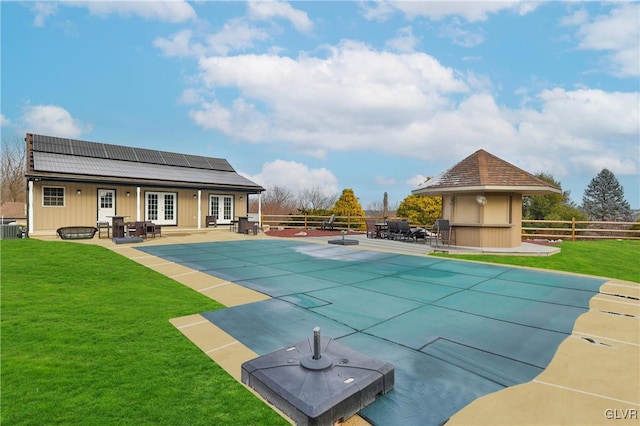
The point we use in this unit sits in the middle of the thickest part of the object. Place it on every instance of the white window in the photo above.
(52, 196)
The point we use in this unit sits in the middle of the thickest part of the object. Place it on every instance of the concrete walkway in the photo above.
(593, 379)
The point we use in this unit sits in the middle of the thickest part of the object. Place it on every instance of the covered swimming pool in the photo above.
(453, 330)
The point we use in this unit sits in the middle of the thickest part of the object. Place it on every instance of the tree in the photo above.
(420, 209)
(604, 199)
(376, 208)
(314, 199)
(348, 205)
(551, 206)
(12, 172)
(277, 200)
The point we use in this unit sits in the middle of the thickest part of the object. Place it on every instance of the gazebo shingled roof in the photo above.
(484, 171)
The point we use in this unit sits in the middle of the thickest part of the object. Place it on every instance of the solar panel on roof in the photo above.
(175, 159)
(149, 156)
(220, 164)
(117, 152)
(50, 144)
(88, 149)
(197, 161)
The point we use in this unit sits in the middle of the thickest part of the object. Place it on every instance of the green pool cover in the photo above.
(454, 331)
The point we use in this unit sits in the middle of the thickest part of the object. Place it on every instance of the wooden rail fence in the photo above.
(531, 229)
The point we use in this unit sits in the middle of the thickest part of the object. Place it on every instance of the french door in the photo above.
(160, 207)
(221, 207)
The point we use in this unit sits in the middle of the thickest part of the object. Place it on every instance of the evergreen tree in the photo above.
(348, 205)
(420, 209)
(551, 206)
(604, 199)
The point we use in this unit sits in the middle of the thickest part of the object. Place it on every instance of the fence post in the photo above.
(573, 229)
(305, 221)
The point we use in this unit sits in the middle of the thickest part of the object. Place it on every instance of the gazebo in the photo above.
(482, 199)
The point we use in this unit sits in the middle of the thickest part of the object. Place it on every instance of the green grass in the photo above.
(605, 258)
(86, 339)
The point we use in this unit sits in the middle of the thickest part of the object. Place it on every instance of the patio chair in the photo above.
(328, 224)
(152, 229)
(135, 229)
(371, 228)
(444, 232)
(211, 221)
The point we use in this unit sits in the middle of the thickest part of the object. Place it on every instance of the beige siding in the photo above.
(82, 210)
(466, 210)
(496, 224)
(497, 210)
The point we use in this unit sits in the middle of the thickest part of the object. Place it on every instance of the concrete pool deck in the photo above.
(594, 377)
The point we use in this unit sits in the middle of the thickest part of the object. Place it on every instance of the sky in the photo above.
(372, 96)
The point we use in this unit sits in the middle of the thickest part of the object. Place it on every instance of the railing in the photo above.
(531, 229)
(579, 230)
(304, 221)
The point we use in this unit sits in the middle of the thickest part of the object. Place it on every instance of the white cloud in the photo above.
(351, 99)
(460, 36)
(356, 99)
(53, 120)
(42, 11)
(405, 41)
(470, 11)
(617, 33)
(173, 11)
(4, 121)
(235, 35)
(179, 45)
(296, 177)
(266, 10)
(581, 131)
(415, 181)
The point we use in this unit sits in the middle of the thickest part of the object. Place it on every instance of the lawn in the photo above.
(86, 339)
(605, 258)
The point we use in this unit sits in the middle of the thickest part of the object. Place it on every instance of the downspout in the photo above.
(260, 209)
(199, 209)
(138, 203)
(30, 207)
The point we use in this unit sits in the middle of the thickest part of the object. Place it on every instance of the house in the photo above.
(482, 199)
(79, 183)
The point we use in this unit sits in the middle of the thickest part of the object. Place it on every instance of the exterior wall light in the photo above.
(481, 199)
(79, 192)
(195, 196)
(128, 194)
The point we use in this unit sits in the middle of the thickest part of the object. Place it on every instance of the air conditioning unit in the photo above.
(10, 231)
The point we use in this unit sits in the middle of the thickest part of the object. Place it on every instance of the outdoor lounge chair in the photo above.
(404, 230)
(328, 224)
(409, 233)
(393, 231)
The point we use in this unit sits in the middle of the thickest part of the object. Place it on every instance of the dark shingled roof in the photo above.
(484, 171)
(62, 158)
